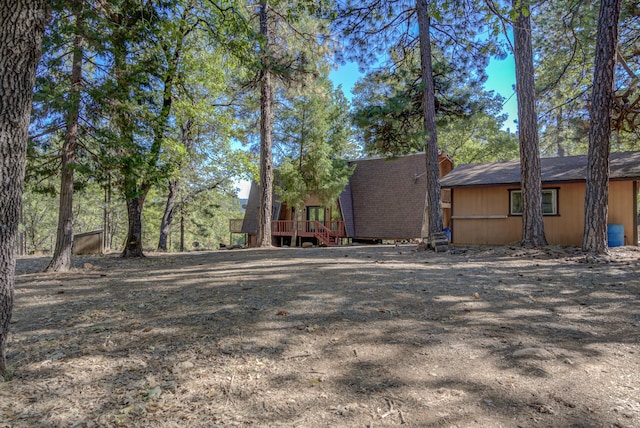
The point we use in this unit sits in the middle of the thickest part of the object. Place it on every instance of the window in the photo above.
(549, 202)
(314, 213)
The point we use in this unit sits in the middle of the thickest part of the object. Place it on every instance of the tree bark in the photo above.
(167, 218)
(530, 173)
(133, 192)
(106, 222)
(433, 199)
(596, 203)
(61, 260)
(133, 244)
(182, 226)
(22, 26)
(266, 158)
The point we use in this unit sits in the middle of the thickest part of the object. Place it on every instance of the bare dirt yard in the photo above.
(362, 336)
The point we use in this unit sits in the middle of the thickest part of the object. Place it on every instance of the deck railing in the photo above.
(306, 227)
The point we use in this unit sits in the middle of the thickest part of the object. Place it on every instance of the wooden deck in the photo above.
(328, 233)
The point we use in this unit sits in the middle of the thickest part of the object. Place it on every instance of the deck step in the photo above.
(438, 242)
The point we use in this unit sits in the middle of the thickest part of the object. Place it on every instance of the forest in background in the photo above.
(167, 102)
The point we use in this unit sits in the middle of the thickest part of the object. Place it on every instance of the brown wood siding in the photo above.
(564, 229)
(621, 203)
(484, 202)
(445, 165)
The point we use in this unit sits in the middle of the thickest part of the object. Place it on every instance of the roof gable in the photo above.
(250, 221)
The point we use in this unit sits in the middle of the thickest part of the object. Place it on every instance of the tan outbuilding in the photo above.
(486, 200)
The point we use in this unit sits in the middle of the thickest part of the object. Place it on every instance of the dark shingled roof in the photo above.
(624, 165)
(250, 222)
(346, 206)
(388, 197)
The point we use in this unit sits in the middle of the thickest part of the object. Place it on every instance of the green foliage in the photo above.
(564, 40)
(375, 32)
(314, 138)
(153, 72)
(388, 110)
(39, 220)
(388, 113)
(205, 216)
(477, 138)
(40, 213)
(54, 99)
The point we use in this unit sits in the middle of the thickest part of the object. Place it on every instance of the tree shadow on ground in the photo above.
(331, 337)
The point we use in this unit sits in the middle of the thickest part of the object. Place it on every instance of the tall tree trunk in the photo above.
(167, 217)
(21, 32)
(61, 260)
(106, 228)
(596, 202)
(133, 243)
(266, 158)
(434, 202)
(133, 193)
(182, 225)
(530, 173)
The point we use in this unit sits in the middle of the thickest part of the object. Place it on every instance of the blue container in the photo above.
(615, 235)
(447, 232)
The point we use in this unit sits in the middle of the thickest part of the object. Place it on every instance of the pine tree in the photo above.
(61, 260)
(596, 203)
(266, 127)
(530, 172)
(434, 201)
(302, 36)
(313, 136)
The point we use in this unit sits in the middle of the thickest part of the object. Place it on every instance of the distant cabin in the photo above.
(88, 243)
(384, 200)
(486, 200)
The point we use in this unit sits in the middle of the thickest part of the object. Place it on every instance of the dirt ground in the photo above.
(362, 336)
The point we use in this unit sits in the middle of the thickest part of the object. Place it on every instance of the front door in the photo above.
(314, 213)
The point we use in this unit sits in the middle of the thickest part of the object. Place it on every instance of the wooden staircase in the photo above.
(324, 235)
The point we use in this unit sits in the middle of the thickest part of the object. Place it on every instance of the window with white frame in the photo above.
(549, 202)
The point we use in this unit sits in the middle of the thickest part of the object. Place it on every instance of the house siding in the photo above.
(492, 225)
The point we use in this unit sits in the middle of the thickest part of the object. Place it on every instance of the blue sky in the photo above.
(502, 78)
